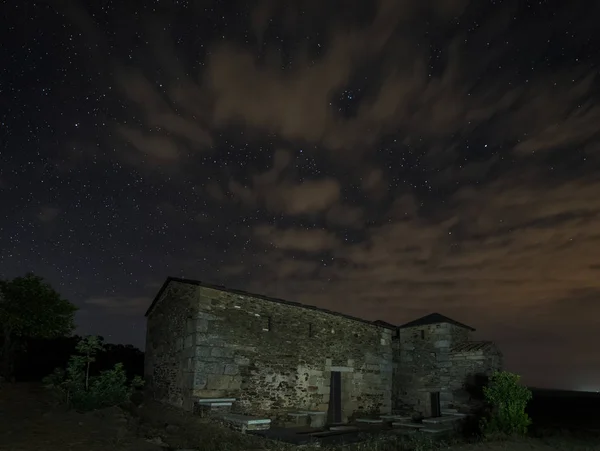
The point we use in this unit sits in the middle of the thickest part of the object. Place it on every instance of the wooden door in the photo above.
(334, 414)
(436, 410)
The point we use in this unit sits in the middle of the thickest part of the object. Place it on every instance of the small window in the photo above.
(268, 325)
(311, 332)
(422, 335)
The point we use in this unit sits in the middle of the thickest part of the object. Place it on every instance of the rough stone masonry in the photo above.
(275, 356)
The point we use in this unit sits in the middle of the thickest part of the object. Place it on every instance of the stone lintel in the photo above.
(341, 369)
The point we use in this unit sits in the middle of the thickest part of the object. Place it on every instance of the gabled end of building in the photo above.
(434, 318)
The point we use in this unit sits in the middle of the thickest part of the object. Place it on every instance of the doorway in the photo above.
(436, 409)
(334, 413)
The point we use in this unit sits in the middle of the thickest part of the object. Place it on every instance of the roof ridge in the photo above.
(258, 296)
(434, 318)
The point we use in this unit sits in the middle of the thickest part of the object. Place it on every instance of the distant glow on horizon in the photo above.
(588, 389)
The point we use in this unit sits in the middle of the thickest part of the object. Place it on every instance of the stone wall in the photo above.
(472, 364)
(426, 363)
(423, 350)
(168, 370)
(274, 357)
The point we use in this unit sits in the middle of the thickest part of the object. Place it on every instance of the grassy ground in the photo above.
(30, 420)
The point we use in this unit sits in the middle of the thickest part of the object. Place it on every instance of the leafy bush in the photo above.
(76, 388)
(507, 400)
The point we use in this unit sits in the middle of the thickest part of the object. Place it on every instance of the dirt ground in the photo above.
(30, 420)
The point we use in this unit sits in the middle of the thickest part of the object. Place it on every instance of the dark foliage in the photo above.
(41, 357)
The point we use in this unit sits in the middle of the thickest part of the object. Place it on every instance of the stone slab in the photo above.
(442, 419)
(245, 419)
(344, 428)
(434, 430)
(216, 404)
(211, 400)
(296, 419)
(369, 420)
(396, 417)
(405, 424)
(312, 412)
(244, 423)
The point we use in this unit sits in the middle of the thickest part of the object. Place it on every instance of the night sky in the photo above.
(383, 159)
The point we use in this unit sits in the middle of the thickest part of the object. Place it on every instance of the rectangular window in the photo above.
(422, 335)
(310, 330)
(268, 325)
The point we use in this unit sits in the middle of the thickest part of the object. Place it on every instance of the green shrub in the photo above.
(507, 400)
(77, 389)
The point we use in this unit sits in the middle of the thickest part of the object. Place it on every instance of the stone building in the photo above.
(273, 356)
(436, 364)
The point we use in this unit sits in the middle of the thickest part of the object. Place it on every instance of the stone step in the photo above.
(216, 404)
(442, 419)
(453, 412)
(210, 407)
(343, 428)
(396, 417)
(317, 417)
(407, 424)
(214, 400)
(369, 420)
(296, 419)
(245, 423)
(436, 430)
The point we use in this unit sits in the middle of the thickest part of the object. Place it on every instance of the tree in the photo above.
(89, 347)
(75, 386)
(30, 308)
(507, 399)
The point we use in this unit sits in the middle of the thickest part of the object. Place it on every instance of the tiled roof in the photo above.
(434, 318)
(260, 296)
(472, 346)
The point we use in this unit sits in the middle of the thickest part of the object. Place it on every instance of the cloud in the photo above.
(307, 240)
(162, 114)
(174, 129)
(153, 146)
(307, 197)
(542, 113)
(48, 213)
(557, 113)
(120, 305)
(272, 190)
(432, 101)
(345, 216)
